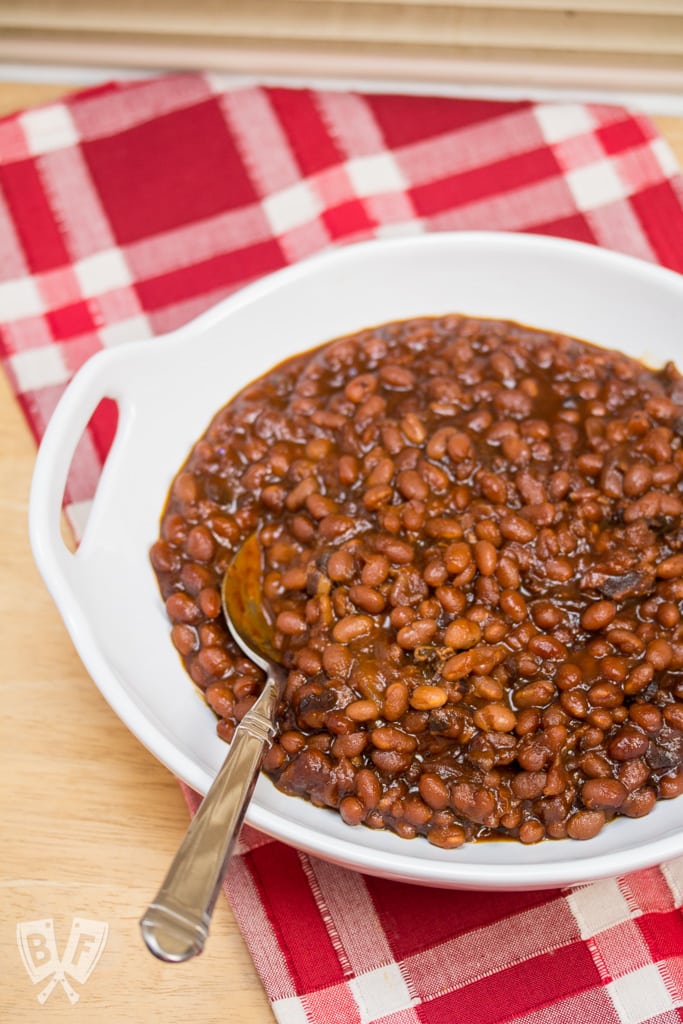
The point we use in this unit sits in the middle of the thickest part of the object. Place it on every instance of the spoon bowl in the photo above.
(175, 926)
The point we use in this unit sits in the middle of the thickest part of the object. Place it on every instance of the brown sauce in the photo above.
(474, 564)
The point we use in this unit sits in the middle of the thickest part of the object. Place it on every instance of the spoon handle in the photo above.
(176, 923)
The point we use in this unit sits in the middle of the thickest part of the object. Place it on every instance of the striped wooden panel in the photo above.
(627, 43)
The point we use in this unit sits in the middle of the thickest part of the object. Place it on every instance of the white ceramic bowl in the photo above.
(167, 390)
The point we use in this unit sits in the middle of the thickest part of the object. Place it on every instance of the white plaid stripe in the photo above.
(134, 328)
(374, 174)
(469, 148)
(188, 245)
(112, 112)
(640, 996)
(578, 151)
(392, 208)
(595, 185)
(38, 368)
(257, 131)
(619, 949)
(618, 222)
(291, 207)
(257, 930)
(74, 199)
(48, 128)
(102, 272)
(347, 900)
(78, 512)
(169, 317)
(58, 287)
(484, 951)
(351, 123)
(598, 906)
(303, 241)
(380, 992)
(563, 120)
(401, 228)
(20, 298)
(23, 335)
(290, 1010)
(673, 873)
(664, 156)
(514, 211)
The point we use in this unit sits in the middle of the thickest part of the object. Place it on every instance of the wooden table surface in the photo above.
(90, 820)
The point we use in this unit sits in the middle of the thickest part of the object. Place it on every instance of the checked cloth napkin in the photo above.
(128, 209)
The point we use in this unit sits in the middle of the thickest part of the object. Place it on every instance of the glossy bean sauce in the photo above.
(473, 561)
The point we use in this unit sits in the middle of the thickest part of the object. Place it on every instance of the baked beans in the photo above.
(473, 563)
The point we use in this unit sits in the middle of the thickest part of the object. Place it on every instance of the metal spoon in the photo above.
(175, 926)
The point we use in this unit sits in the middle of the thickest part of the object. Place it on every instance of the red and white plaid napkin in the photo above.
(127, 210)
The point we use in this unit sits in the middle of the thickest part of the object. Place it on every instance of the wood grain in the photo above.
(90, 819)
(641, 45)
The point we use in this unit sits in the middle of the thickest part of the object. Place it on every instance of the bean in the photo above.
(340, 566)
(673, 716)
(639, 803)
(348, 469)
(413, 428)
(411, 485)
(531, 831)
(290, 623)
(671, 786)
(647, 716)
(462, 634)
(585, 824)
(415, 811)
(184, 638)
(514, 605)
(514, 527)
(367, 598)
(598, 615)
(181, 608)
(351, 810)
(388, 737)
(528, 785)
(603, 793)
(391, 762)
(352, 627)
(486, 557)
(400, 378)
(447, 837)
(459, 447)
(398, 552)
(659, 654)
(537, 694)
(495, 717)
(426, 698)
(627, 743)
(337, 660)
(350, 744)
(375, 571)
(434, 791)
(362, 710)
(605, 695)
(395, 701)
(416, 633)
(443, 528)
(368, 788)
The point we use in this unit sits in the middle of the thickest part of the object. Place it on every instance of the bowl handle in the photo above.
(97, 379)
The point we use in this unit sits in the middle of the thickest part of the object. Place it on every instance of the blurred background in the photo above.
(626, 45)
